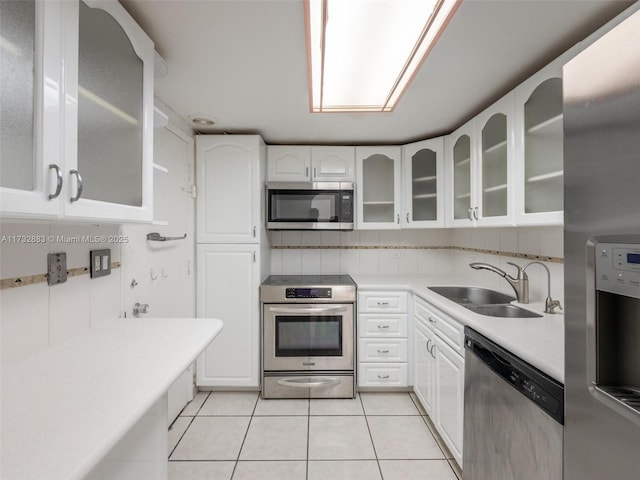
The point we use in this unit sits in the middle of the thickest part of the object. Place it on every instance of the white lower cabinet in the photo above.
(383, 351)
(439, 372)
(449, 396)
(228, 283)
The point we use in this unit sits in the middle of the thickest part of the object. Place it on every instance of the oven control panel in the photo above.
(618, 268)
(313, 292)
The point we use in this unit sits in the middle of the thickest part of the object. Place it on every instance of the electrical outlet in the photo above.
(100, 262)
(56, 268)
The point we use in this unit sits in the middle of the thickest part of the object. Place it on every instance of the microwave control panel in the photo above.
(618, 268)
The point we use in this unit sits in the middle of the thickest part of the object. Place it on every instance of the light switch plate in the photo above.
(100, 262)
(56, 268)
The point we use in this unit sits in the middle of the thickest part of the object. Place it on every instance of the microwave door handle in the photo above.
(307, 310)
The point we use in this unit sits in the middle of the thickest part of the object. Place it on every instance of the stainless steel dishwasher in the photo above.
(513, 416)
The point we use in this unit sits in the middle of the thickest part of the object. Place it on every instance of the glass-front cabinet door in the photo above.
(496, 150)
(30, 96)
(378, 192)
(423, 184)
(460, 164)
(539, 147)
(112, 118)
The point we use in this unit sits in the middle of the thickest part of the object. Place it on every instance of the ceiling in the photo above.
(243, 63)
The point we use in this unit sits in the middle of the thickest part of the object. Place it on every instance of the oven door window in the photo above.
(308, 336)
(303, 206)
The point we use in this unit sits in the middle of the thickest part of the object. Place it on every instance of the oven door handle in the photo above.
(311, 310)
(296, 382)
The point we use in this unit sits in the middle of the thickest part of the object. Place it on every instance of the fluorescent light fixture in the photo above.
(362, 54)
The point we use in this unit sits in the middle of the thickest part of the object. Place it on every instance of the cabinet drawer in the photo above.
(422, 312)
(450, 330)
(382, 374)
(382, 350)
(381, 302)
(381, 325)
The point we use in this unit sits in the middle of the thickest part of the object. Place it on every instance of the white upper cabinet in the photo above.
(496, 155)
(378, 187)
(423, 184)
(460, 164)
(333, 164)
(230, 183)
(31, 166)
(480, 163)
(295, 163)
(288, 163)
(91, 102)
(539, 147)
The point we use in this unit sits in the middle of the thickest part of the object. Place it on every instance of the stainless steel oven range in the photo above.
(308, 336)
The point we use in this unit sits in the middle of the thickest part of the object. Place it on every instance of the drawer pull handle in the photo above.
(383, 327)
(383, 377)
(383, 351)
(432, 320)
(383, 304)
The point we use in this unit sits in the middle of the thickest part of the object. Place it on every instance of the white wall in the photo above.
(36, 317)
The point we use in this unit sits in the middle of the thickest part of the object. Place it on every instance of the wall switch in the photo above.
(100, 262)
(56, 268)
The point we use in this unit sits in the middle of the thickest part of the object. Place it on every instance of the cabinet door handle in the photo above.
(254, 231)
(428, 342)
(58, 181)
(383, 377)
(398, 219)
(432, 351)
(383, 351)
(315, 172)
(78, 185)
(306, 172)
(469, 214)
(407, 217)
(475, 213)
(383, 327)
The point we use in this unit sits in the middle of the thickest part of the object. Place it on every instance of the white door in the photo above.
(424, 371)
(228, 282)
(229, 188)
(423, 184)
(449, 396)
(288, 163)
(333, 164)
(31, 163)
(378, 197)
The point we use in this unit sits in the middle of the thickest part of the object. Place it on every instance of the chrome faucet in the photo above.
(549, 303)
(520, 283)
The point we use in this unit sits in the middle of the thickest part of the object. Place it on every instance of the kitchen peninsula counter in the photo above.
(63, 410)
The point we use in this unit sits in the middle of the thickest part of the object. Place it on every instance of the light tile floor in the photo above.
(240, 436)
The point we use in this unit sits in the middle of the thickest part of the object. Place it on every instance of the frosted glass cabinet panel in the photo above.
(423, 184)
(462, 177)
(17, 94)
(30, 100)
(494, 167)
(110, 110)
(539, 147)
(378, 193)
(543, 160)
(109, 137)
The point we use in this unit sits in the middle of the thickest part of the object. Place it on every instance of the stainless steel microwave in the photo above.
(310, 206)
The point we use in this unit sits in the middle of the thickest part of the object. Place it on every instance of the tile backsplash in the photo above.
(425, 251)
(36, 317)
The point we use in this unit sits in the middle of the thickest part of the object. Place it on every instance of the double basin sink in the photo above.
(484, 301)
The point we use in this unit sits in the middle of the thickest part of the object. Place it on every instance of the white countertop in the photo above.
(538, 341)
(64, 409)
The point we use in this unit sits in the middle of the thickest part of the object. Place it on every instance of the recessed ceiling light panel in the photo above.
(362, 54)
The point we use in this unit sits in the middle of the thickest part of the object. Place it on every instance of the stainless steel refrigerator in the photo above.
(602, 257)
